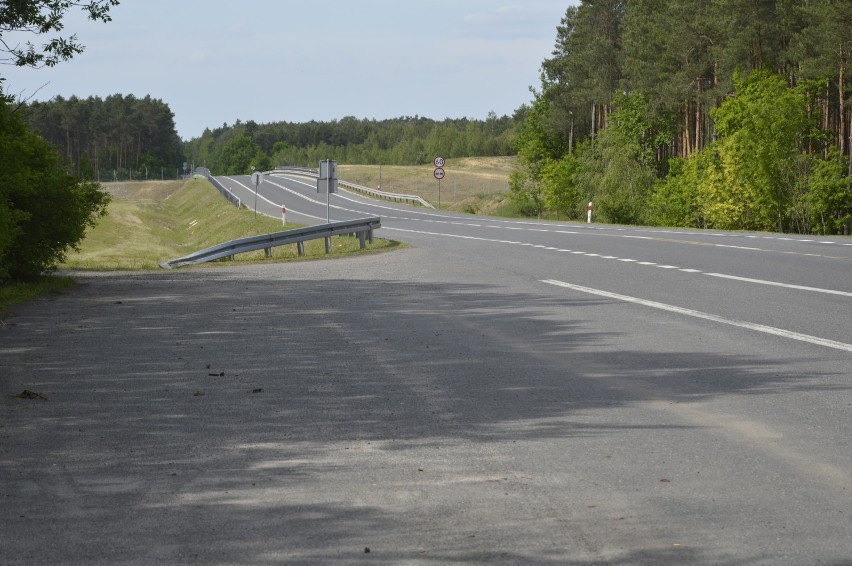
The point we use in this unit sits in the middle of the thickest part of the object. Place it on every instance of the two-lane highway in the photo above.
(500, 392)
(799, 288)
(693, 386)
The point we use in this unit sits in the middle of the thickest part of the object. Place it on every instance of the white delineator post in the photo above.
(283, 216)
(589, 213)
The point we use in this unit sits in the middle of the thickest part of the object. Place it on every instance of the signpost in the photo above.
(439, 174)
(257, 179)
(327, 183)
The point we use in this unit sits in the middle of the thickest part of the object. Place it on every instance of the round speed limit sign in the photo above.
(439, 161)
(439, 173)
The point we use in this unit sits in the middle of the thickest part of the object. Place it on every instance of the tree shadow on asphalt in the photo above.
(190, 402)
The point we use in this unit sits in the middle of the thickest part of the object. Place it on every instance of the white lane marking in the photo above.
(646, 263)
(706, 316)
(546, 227)
(786, 285)
(738, 247)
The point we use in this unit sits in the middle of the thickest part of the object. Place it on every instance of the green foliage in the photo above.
(44, 211)
(537, 150)
(238, 156)
(828, 203)
(121, 133)
(558, 180)
(668, 131)
(399, 141)
(674, 199)
(40, 17)
(617, 170)
(760, 130)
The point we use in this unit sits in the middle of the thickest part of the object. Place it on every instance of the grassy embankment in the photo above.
(477, 185)
(153, 221)
(149, 222)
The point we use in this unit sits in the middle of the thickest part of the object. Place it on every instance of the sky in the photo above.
(219, 61)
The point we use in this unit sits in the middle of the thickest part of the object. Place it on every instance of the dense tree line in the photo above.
(119, 133)
(399, 141)
(712, 113)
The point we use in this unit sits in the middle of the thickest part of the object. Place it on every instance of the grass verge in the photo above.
(476, 185)
(18, 293)
(153, 221)
(149, 224)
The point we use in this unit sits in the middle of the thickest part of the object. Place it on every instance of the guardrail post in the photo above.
(370, 236)
(328, 244)
(268, 252)
(300, 248)
(362, 239)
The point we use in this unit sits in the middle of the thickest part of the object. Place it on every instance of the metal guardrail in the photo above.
(396, 197)
(362, 227)
(232, 198)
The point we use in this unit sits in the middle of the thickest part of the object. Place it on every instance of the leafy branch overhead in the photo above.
(21, 19)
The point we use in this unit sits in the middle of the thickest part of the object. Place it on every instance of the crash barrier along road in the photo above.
(362, 227)
(395, 197)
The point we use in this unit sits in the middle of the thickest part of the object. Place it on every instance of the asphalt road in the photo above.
(503, 392)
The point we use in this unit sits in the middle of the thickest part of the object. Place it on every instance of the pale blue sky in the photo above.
(217, 61)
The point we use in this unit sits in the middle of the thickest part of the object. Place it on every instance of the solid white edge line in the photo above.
(776, 284)
(706, 316)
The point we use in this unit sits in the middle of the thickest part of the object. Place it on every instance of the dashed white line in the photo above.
(627, 260)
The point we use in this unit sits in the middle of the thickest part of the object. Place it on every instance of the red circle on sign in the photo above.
(439, 173)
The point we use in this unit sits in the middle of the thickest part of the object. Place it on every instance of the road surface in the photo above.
(503, 392)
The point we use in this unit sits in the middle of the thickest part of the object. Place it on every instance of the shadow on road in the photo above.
(203, 416)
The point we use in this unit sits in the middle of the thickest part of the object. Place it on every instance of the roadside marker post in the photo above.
(589, 213)
(283, 216)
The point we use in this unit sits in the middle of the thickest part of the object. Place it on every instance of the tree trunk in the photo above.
(687, 138)
(841, 94)
(594, 121)
(698, 116)
(825, 118)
